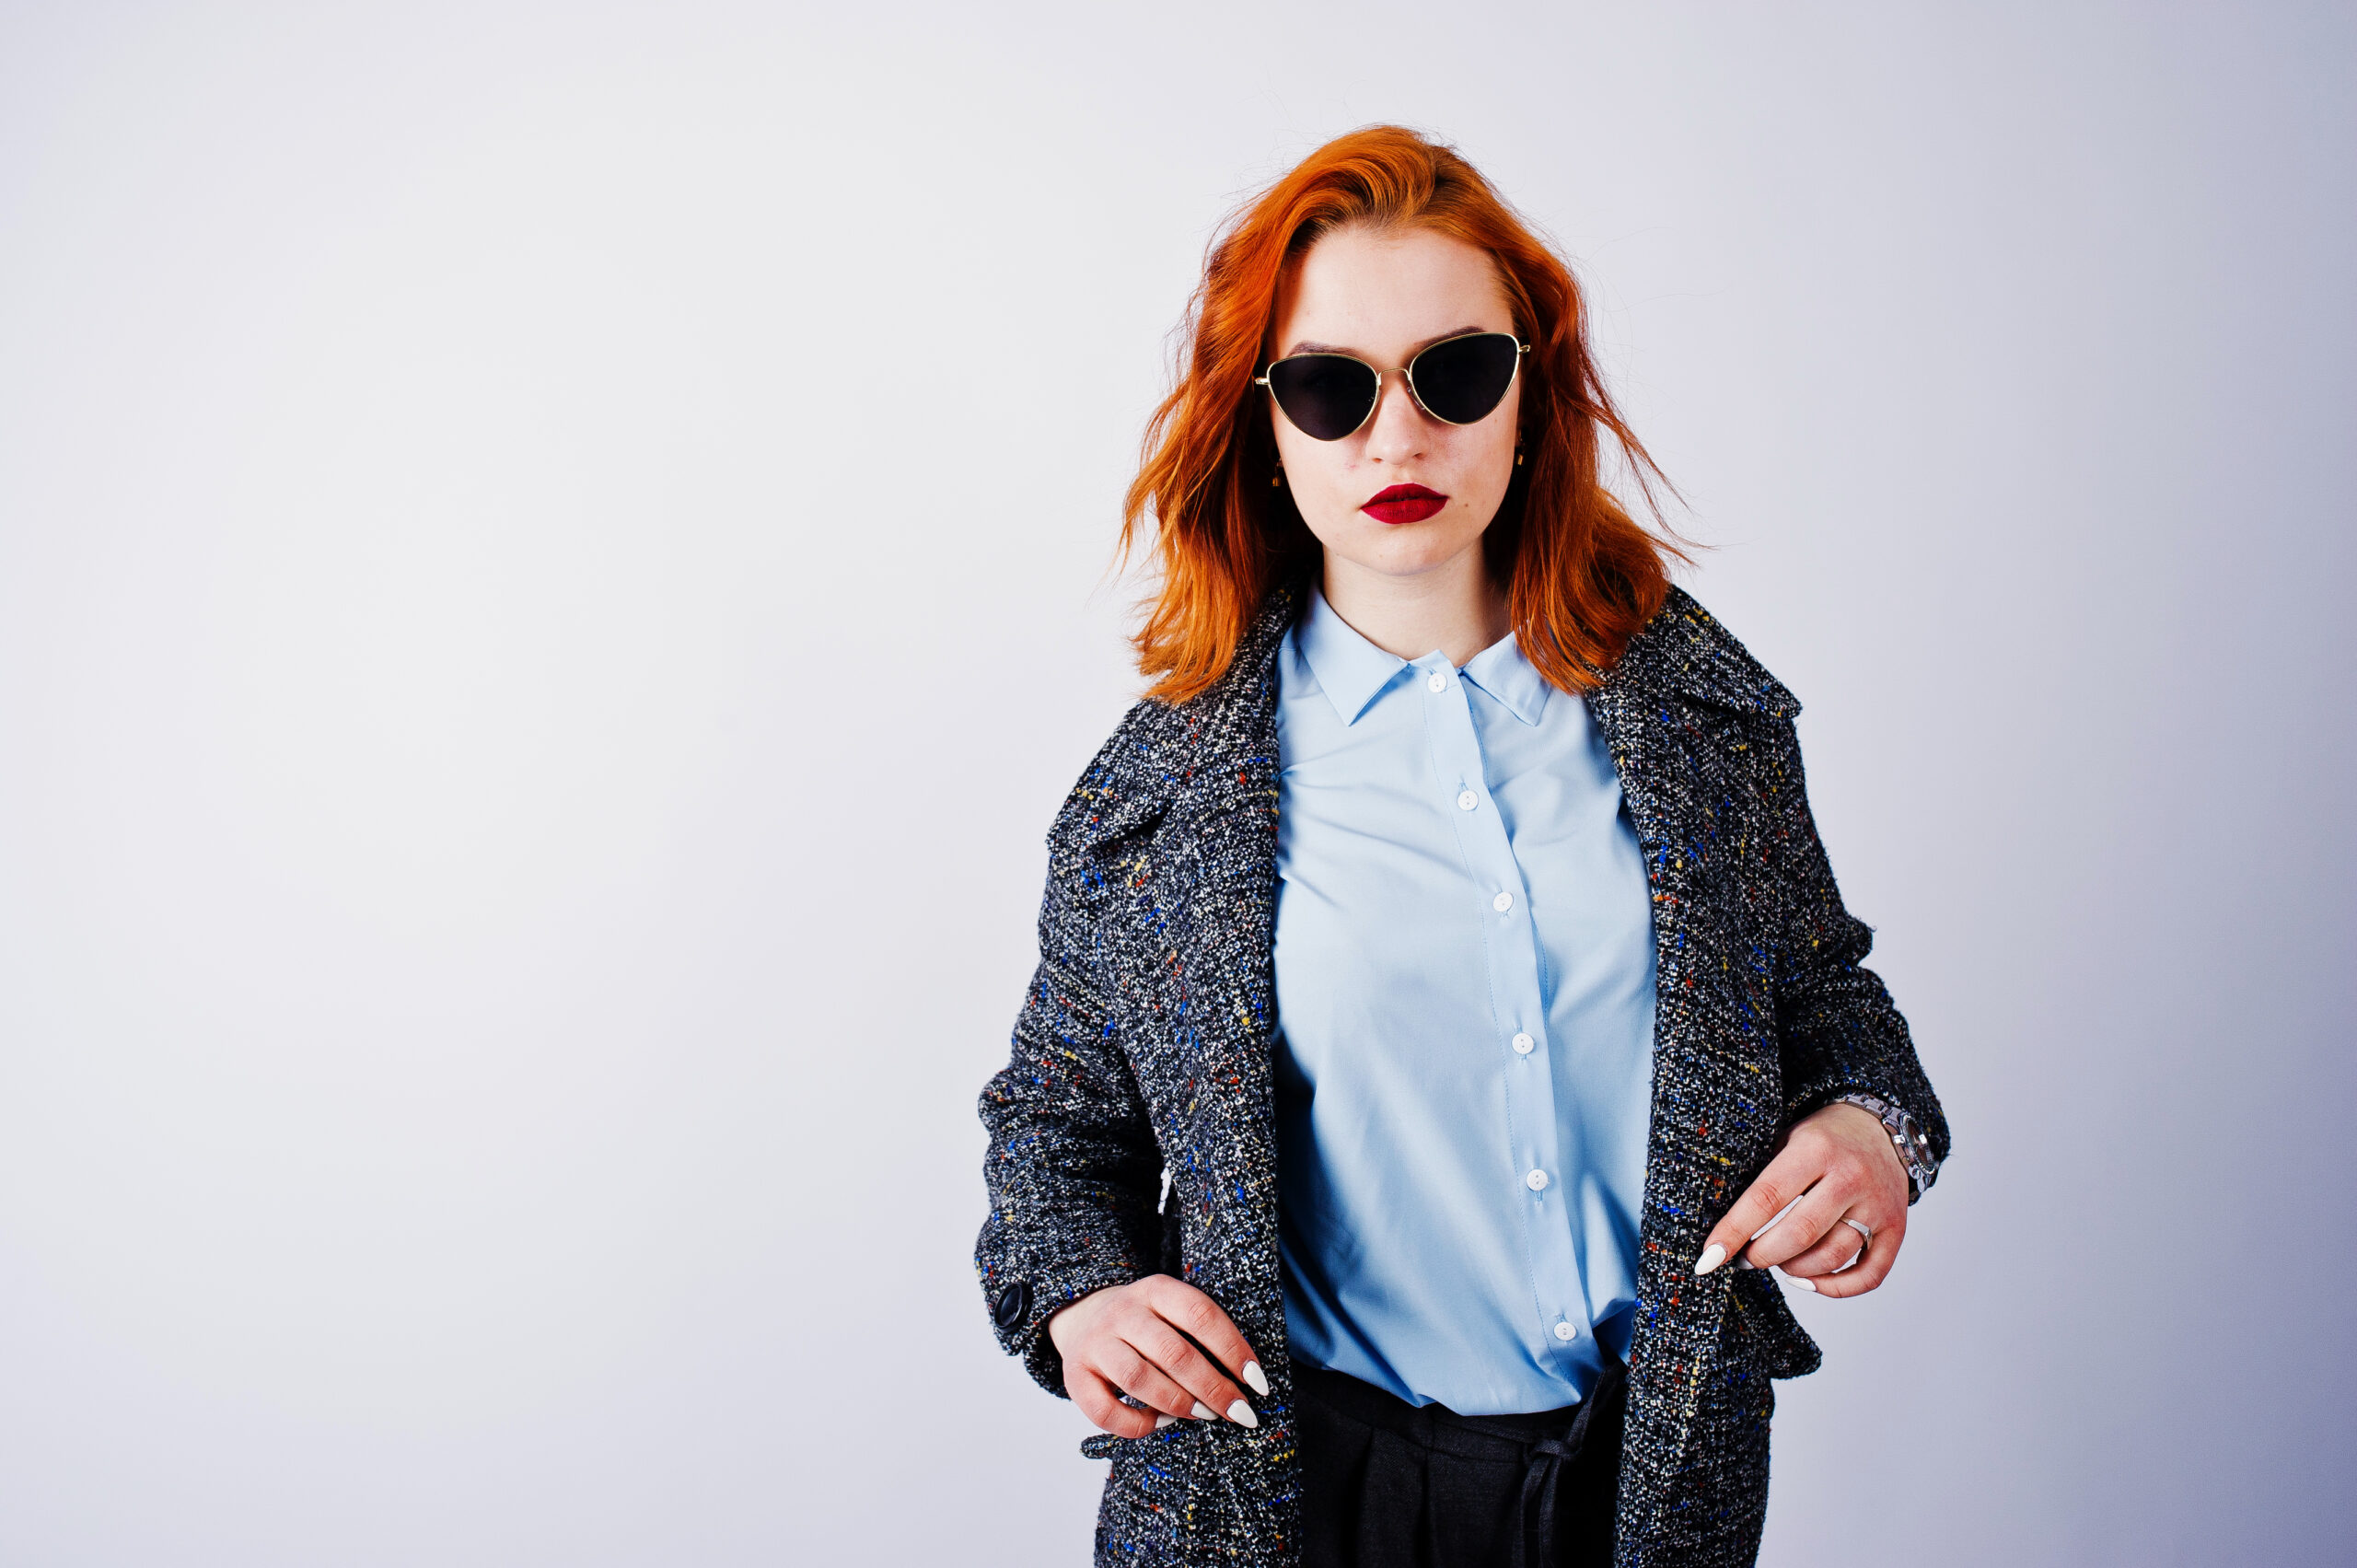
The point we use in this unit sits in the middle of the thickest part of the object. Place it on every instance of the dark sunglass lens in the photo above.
(1462, 379)
(1325, 395)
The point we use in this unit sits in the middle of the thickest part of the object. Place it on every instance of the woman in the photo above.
(1441, 982)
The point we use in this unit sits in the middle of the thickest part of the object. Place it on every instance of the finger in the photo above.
(1787, 1176)
(1206, 1388)
(1872, 1269)
(1200, 1318)
(1100, 1402)
(1811, 1222)
(1138, 1377)
(1840, 1247)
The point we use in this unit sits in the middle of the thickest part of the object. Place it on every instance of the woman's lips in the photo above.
(1404, 504)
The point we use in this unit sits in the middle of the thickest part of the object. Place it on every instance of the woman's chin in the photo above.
(1402, 550)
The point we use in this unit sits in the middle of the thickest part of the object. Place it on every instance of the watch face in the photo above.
(1919, 1152)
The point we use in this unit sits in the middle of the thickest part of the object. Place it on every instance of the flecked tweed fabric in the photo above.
(1144, 1042)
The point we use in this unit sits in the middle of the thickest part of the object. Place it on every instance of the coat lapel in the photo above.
(1669, 715)
(1189, 843)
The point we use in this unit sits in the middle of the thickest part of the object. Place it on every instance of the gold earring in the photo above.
(1518, 457)
(1277, 479)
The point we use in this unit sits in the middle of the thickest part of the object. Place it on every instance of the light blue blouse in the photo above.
(1465, 995)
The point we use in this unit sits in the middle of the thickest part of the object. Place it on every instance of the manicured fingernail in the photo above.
(1257, 1379)
(1205, 1412)
(1712, 1256)
(1162, 1421)
(1799, 1283)
(1241, 1413)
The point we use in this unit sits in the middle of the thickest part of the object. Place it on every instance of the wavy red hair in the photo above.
(1580, 574)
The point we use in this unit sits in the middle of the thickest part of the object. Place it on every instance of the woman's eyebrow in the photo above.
(1305, 346)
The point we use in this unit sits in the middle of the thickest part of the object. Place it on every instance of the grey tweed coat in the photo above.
(1143, 1047)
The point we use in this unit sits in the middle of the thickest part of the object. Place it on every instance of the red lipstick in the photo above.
(1404, 504)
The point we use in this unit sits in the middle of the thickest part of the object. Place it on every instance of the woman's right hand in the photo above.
(1135, 1339)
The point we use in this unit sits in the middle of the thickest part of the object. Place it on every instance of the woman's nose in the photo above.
(1397, 430)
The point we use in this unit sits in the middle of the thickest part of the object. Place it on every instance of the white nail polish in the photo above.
(1161, 1421)
(1205, 1412)
(1799, 1283)
(1712, 1256)
(1257, 1379)
(1241, 1413)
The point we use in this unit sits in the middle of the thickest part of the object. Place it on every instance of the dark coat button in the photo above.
(1014, 1305)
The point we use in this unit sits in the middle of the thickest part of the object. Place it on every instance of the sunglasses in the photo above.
(1456, 380)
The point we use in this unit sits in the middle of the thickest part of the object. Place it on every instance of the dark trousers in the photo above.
(1389, 1484)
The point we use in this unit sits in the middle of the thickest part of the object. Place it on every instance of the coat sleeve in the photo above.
(1072, 1167)
(1839, 1032)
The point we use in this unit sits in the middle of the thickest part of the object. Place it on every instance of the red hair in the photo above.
(1581, 576)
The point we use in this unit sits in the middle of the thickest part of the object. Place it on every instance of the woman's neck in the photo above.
(1455, 608)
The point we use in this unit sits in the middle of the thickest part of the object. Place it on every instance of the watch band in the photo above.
(1914, 1148)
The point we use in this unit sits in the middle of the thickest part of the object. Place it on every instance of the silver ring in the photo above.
(1862, 1228)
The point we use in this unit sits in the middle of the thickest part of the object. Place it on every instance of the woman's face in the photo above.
(1382, 296)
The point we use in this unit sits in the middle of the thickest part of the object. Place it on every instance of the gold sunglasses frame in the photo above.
(1406, 372)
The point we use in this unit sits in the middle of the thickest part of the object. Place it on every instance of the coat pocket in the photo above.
(1148, 1514)
(1766, 1330)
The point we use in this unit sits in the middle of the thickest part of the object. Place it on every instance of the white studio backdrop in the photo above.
(552, 576)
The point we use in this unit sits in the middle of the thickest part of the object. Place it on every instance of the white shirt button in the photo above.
(1468, 801)
(1437, 681)
(1566, 1333)
(1535, 1182)
(1524, 1045)
(1503, 902)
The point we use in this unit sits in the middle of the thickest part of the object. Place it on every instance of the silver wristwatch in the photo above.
(1914, 1149)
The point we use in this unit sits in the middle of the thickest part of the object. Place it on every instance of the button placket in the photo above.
(1534, 1126)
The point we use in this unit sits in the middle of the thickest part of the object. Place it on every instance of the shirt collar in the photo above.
(1502, 671)
(1353, 672)
(1349, 670)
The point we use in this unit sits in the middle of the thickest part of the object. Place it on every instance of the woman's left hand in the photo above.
(1840, 1164)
